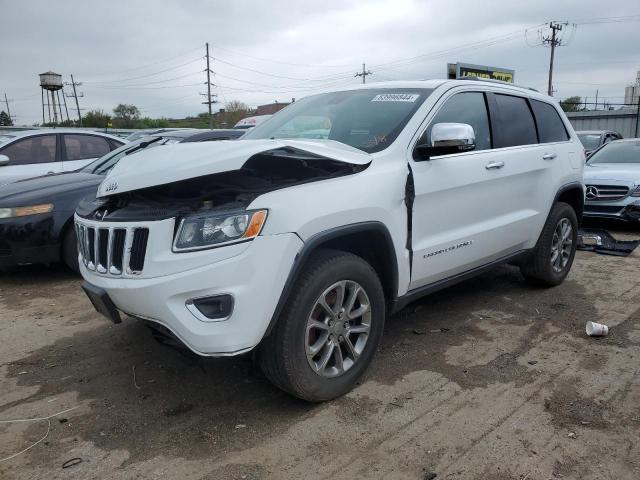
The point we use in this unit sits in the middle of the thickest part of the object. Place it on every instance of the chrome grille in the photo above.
(606, 192)
(108, 250)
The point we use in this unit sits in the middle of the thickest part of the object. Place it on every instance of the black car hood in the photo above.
(47, 188)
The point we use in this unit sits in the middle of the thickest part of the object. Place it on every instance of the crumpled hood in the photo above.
(181, 161)
(621, 172)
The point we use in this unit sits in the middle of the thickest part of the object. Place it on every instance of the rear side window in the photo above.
(515, 122)
(469, 108)
(80, 147)
(550, 126)
(38, 149)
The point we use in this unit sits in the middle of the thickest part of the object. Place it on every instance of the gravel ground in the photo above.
(490, 379)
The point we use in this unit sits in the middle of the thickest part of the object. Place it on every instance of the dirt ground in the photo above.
(490, 379)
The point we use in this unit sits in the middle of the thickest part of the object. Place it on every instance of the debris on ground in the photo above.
(72, 462)
(572, 435)
(601, 241)
(594, 329)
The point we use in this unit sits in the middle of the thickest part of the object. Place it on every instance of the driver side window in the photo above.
(469, 108)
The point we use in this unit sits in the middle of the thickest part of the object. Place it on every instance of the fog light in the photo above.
(217, 307)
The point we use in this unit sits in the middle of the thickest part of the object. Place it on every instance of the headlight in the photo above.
(215, 229)
(24, 211)
(636, 192)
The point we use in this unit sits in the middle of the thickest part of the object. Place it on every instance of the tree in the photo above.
(571, 104)
(125, 116)
(234, 111)
(96, 118)
(5, 119)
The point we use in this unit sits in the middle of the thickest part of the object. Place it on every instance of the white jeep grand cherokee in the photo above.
(300, 238)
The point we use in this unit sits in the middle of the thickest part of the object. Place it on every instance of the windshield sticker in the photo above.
(396, 97)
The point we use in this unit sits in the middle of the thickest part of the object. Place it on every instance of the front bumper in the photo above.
(627, 209)
(253, 273)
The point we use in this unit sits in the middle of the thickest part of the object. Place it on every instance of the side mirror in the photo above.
(4, 160)
(448, 138)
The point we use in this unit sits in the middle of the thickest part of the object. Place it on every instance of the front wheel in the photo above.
(329, 330)
(551, 260)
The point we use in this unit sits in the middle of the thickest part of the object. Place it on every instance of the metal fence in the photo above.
(624, 121)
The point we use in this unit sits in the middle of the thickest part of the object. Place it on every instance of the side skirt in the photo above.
(420, 292)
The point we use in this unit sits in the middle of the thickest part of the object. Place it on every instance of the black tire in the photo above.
(70, 249)
(538, 268)
(282, 355)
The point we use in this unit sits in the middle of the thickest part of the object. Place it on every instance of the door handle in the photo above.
(50, 173)
(549, 156)
(494, 165)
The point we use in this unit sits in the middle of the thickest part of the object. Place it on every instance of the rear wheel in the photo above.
(70, 249)
(329, 329)
(551, 260)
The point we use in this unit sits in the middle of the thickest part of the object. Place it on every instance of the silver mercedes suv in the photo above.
(612, 180)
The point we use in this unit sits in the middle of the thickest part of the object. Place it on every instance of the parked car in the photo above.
(216, 134)
(250, 122)
(146, 132)
(36, 214)
(612, 179)
(593, 139)
(31, 153)
(301, 247)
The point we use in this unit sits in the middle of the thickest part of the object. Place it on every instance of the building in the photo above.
(270, 108)
(632, 92)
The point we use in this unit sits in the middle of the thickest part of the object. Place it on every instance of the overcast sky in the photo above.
(151, 54)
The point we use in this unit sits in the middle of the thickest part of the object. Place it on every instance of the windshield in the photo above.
(590, 141)
(369, 120)
(105, 163)
(617, 152)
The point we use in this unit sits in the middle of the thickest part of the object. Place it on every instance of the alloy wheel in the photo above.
(561, 245)
(338, 328)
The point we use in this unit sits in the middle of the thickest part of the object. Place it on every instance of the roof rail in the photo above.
(491, 80)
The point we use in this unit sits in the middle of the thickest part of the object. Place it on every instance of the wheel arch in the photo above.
(368, 240)
(572, 194)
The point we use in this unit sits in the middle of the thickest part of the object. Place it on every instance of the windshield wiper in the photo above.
(142, 145)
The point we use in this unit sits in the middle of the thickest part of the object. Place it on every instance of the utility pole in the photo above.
(364, 73)
(554, 42)
(210, 98)
(6, 102)
(75, 95)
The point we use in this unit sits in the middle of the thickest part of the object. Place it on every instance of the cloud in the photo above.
(151, 54)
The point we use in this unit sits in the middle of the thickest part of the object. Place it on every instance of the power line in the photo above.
(75, 95)
(210, 99)
(116, 87)
(364, 74)
(553, 41)
(6, 102)
(147, 75)
(153, 64)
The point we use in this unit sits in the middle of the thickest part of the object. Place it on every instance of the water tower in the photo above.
(50, 85)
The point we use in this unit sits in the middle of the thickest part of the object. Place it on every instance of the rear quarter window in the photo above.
(515, 122)
(550, 126)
